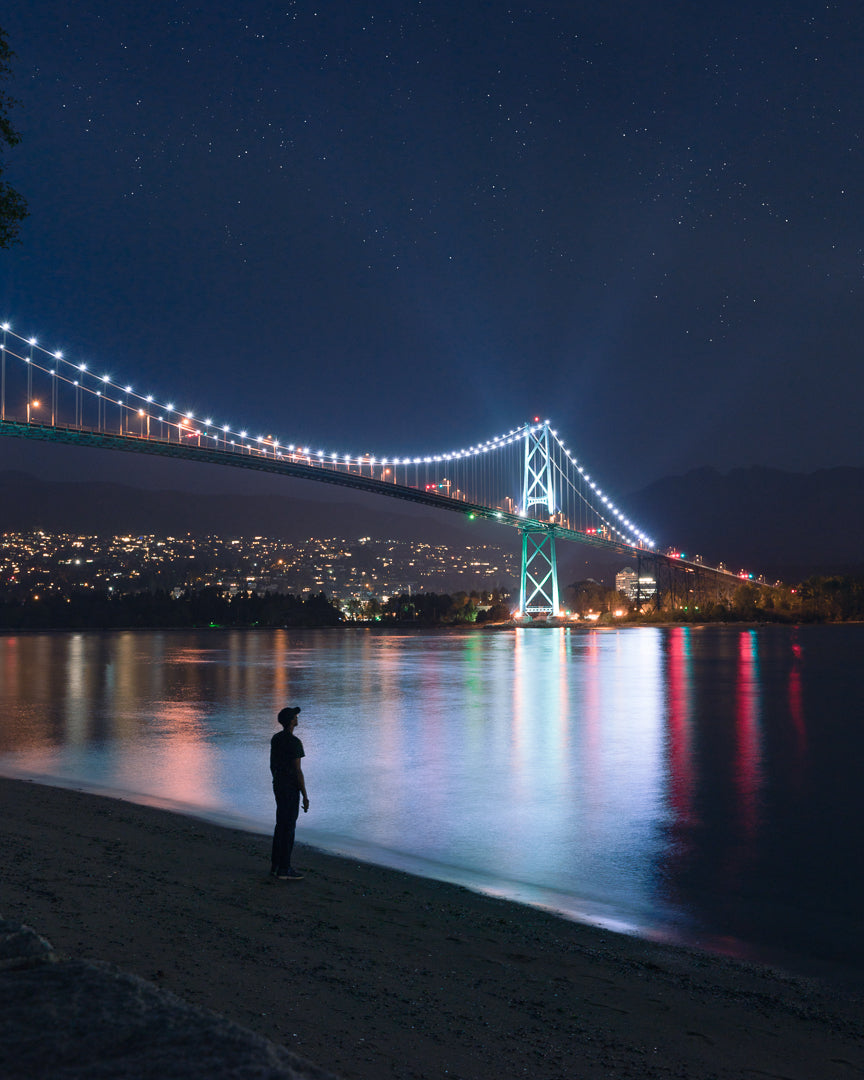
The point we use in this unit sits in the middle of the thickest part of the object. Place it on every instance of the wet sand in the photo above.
(374, 973)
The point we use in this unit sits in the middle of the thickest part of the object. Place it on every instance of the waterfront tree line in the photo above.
(838, 598)
(215, 607)
(834, 598)
(433, 609)
(163, 608)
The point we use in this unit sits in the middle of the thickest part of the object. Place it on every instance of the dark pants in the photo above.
(287, 809)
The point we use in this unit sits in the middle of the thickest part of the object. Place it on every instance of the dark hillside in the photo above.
(786, 525)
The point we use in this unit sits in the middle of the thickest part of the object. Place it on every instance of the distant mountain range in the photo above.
(786, 525)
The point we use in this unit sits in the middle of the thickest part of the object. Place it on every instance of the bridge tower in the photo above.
(538, 593)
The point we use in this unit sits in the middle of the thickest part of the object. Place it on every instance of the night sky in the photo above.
(401, 228)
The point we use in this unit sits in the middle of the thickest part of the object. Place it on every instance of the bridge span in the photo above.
(526, 479)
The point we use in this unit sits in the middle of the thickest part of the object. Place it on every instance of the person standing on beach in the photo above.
(286, 750)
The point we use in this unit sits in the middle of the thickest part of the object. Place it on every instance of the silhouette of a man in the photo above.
(286, 751)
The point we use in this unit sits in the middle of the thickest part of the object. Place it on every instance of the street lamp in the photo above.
(5, 328)
(31, 405)
(124, 411)
(29, 363)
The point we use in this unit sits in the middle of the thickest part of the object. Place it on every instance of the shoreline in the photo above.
(373, 972)
(491, 627)
(592, 914)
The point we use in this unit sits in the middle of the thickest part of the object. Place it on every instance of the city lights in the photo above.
(59, 564)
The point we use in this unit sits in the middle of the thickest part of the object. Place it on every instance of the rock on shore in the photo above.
(81, 1019)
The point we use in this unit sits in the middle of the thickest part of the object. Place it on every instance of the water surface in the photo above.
(695, 784)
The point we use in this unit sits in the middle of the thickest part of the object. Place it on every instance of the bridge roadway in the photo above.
(261, 461)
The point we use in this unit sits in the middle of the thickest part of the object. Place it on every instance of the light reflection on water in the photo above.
(672, 781)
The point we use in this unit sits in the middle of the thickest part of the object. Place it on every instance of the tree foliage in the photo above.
(839, 598)
(193, 608)
(590, 596)
(830, 599)
(13, 207)
(433, 609)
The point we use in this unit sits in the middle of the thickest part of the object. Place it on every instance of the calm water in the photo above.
(699, 784)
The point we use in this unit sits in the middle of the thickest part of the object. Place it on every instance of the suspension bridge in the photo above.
(526, 478)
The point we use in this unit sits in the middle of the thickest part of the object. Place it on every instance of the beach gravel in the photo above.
(372, 973)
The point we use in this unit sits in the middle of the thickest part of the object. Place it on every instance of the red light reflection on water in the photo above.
(796, 698)
(680, 703)
(796, 712)
(748, 735)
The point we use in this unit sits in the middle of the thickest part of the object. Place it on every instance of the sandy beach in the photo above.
(374, 973)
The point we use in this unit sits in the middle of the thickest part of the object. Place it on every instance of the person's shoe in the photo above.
(289, 875)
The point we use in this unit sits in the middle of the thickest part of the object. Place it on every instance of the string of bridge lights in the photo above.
(604, 498)
(227, 434)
